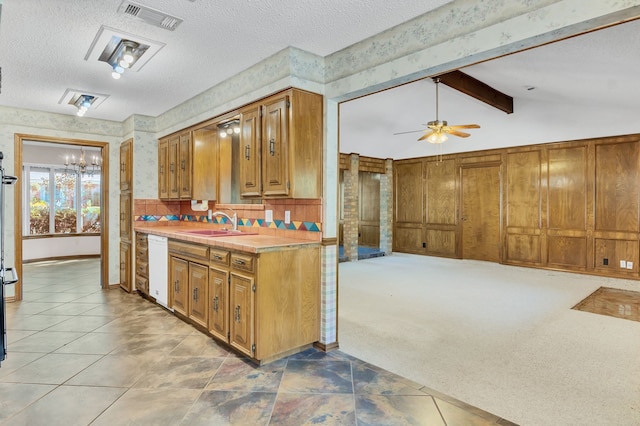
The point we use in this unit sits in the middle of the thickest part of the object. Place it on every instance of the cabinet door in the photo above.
(275, 148)
(198, 288)
(126, 166)
(219, 304)
(174, 167)
(125, 266)
(125, 216)
(179, 284)
(184, 166)
(241, 306)
(250, 152)
(163, 169)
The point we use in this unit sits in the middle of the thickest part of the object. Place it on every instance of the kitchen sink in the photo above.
(216, 233)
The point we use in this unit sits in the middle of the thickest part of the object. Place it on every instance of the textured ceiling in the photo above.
(43, 44)
(584, 86)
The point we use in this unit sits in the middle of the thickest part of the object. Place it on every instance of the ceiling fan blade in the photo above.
(411, 131)
(458, 133)
(426, 135)
(465, 126)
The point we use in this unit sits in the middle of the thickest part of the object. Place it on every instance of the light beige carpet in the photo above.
(502, 338)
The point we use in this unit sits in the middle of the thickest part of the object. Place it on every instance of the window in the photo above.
(61, 202)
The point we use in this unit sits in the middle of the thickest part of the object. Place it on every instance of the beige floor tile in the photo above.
(180, 373)
(164, 408)
(14, 361)
(51, 369)
(68, 405)
(45, 341)
(114, 370)
(16, 396)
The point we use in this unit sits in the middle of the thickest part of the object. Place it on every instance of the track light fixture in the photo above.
(229, 128)
(83, 103)
(125, 54)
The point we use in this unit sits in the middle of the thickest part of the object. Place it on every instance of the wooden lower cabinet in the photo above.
(142, 264)
(241, 304)
(219, 299)
(264, 305)
(198, 290)
(125, 266)
(179, 285)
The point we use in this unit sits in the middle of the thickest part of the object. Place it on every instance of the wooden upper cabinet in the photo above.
(184, 166)
(204, 164)
(163, 168)
(187, 166)
(281, 142)
(275, 158)
(126, 165)
(172, 161)
(250, 129)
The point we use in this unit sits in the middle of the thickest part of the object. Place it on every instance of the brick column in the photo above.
(351, 211)
(386, 208)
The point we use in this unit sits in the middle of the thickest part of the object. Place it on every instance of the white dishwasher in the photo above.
(159, 269)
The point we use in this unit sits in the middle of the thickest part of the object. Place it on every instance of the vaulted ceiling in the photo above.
(582, 87)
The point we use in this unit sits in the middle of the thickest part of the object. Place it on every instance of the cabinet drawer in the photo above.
(141, 253)
(219, 257)
(142, 269)
(142, 284)
(191, 250)
(141, 240)
(242, 262)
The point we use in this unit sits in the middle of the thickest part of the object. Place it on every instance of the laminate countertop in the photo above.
(248, 242)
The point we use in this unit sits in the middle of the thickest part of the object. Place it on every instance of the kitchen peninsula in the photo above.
(259, 294)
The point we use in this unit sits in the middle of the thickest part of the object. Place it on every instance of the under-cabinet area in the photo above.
(263, 302)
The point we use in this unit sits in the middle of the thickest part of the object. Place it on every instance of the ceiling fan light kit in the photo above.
(438, 130)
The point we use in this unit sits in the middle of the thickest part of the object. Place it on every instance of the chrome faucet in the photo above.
(233, 219)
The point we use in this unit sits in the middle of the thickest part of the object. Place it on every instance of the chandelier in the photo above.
(80, 165)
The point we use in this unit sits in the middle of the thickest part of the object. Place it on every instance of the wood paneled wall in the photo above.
(571, 206)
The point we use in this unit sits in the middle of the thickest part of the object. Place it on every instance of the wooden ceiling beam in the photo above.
(477, 89)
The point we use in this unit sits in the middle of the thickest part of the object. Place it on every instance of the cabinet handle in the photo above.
(272, 147)
(176, 286)
(215, 304)
(239, 262)
(182, 166)
(238, 313)
(195, 294)
(217, 257)
(247, 152)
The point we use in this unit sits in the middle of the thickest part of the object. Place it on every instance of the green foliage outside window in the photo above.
(64, 201)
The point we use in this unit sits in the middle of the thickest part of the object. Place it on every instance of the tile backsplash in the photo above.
(305, 216)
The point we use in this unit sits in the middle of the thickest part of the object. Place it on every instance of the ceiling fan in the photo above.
(437, 130)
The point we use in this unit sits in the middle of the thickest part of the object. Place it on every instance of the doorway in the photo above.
(22, 214)
(369, 210)
(480, 212)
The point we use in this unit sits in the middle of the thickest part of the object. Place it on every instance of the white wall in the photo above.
(44, 248)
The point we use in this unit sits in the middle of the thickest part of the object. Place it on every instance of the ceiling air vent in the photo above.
(149, 15)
